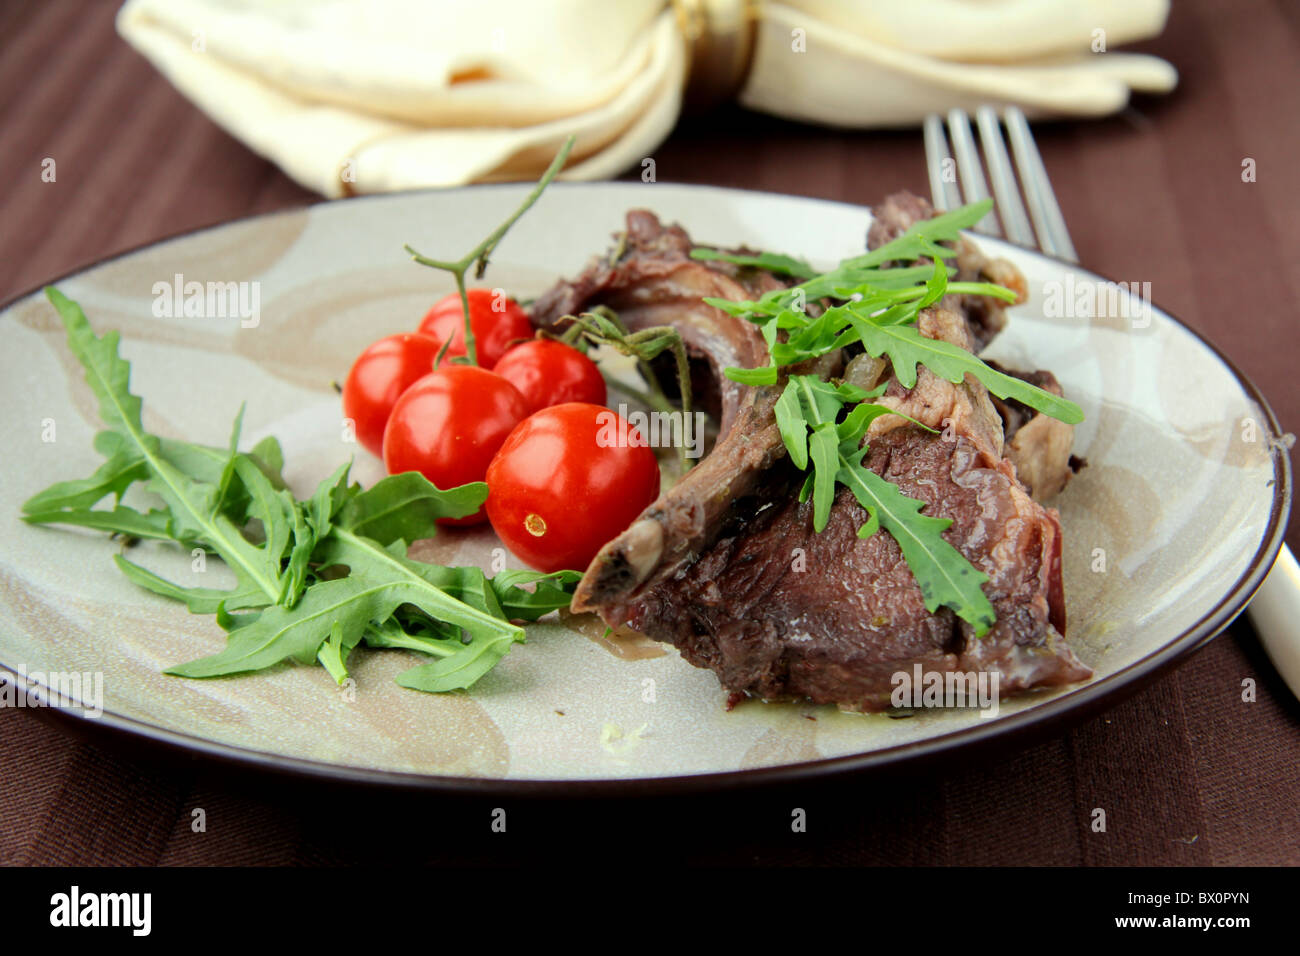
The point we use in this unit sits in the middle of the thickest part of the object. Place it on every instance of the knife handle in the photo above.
(1275, 612)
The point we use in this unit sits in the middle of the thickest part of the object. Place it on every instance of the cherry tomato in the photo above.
(449, 424)
(497, 321)
(548, 372)
(568, 479)
(377, 380)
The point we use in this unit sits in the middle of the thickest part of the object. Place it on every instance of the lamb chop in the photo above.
(726, 565)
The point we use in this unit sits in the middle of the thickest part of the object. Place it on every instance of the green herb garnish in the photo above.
(872, 301)
(314, 577)
(773, 262)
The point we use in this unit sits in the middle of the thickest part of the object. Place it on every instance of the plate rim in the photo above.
(1070, 708)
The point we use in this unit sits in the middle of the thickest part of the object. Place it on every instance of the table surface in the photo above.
(1186, 771)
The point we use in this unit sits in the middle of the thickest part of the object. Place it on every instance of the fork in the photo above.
(1275, 607)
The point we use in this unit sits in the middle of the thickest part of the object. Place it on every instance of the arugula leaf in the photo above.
(269, 456)
(232, 454)
(107, 374)
(792, 425)
(550, 592)
(120, 520)
(405, 506)
(922, 238)
(274, 510)
(907, 348)
(770, 261)
(281, 633)
(765, 375)
(461, 669)
(394, 633)
(379, 581)
(824, 451)
(190, 503)
(206, 464)
(333, 654)
(121, 469)
(807, 414)
(199, 600)
(460, 661)
(806, 399)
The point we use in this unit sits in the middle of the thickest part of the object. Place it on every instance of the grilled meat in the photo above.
(726, 566)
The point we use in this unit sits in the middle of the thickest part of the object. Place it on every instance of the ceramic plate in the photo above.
(1168, 530)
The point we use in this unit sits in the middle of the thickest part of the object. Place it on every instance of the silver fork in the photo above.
(1275, 608)
(1048, 223)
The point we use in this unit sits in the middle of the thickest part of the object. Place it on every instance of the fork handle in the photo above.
(1275, 612)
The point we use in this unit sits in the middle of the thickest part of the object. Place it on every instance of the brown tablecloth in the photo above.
(1186, 772)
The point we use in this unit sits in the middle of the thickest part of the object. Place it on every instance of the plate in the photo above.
(1168, 531)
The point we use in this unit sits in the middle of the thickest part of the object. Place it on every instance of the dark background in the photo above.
(1187, 772)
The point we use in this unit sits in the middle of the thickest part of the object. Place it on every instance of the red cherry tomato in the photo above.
(449, 424)
(377, 380)
(497, 321)
(568, 479)
(548, 372)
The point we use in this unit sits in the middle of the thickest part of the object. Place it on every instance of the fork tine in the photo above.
(972, 173)
(1053, 237)
(1009, 206)
(943, 190)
